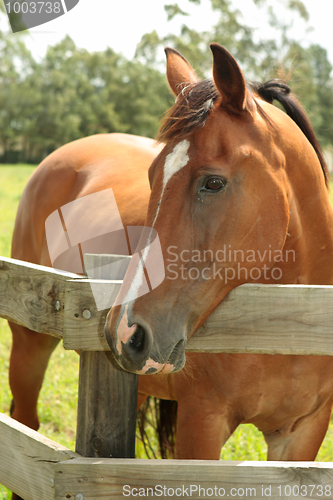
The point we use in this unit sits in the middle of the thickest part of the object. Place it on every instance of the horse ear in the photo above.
(228, 79)
(179, 71)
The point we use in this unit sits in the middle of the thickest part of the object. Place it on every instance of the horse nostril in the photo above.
(135, 349)
(136, 342)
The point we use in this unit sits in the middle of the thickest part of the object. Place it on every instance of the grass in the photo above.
(58, 399)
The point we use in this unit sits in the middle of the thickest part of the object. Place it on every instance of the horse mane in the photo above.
(190, 111)
(278, 90)
(195, 101)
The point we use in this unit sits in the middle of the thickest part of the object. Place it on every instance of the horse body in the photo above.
(78, 169)
(246, 177)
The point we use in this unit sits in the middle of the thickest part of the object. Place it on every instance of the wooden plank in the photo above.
(33, 295)
(27, 460)
(114, 479)
(81, 330)
(106, 421)
(88, 295)
(106, 417)
(267, 319)
(275, 319)
(106, 266)
(270, 319)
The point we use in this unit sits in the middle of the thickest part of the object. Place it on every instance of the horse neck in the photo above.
(310, 231)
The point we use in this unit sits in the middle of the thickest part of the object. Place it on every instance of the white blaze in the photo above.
(174, 162)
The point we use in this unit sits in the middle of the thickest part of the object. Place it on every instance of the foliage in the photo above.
(72, 94)
(307, 68)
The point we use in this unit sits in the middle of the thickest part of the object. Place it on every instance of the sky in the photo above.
(119, 24)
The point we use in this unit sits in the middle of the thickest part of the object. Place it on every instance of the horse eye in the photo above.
(214, 184)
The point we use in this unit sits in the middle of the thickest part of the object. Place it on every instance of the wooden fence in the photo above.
(269, 319)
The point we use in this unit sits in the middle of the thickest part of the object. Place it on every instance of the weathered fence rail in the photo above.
(266, 319)
(40, 469)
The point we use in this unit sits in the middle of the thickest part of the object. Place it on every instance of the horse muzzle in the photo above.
(137, 350)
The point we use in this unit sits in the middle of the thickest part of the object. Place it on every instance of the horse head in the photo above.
(228, 206)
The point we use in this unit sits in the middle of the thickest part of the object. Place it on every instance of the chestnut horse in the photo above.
(238, 188)
(235, 173)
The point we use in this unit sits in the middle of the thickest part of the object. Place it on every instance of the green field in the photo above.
(57, 404)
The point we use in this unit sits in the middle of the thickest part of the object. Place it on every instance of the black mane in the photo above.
(278, 90)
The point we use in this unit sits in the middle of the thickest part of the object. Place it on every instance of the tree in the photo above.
(69, 103)
(261, 59)
(72, 94)
(16, 65)
(316, 90)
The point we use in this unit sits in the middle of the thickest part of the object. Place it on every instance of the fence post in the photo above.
(106, 420)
